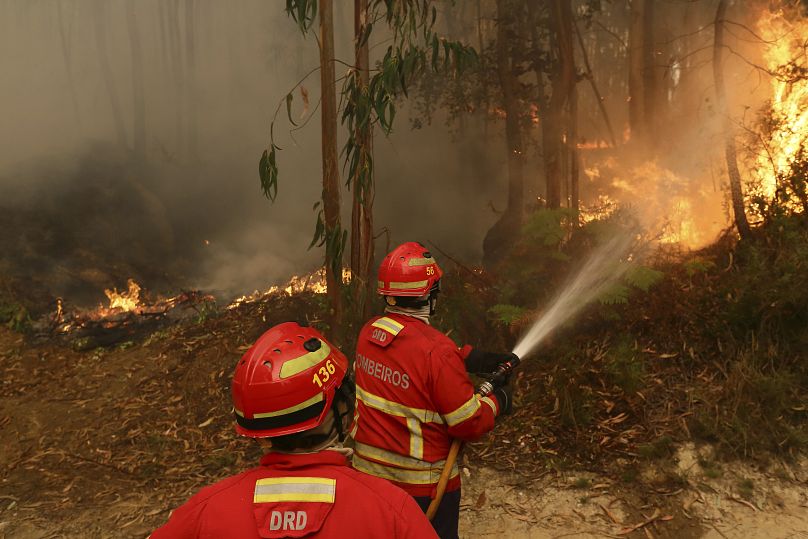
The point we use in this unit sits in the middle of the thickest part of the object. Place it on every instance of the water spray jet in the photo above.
(601, 270)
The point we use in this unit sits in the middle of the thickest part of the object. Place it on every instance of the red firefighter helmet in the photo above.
(409, 271)
(285, 383)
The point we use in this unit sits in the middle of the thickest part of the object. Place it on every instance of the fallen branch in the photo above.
(656, 516)
(743, 502)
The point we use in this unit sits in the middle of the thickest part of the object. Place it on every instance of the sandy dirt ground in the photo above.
(106, 444)
(722, 501)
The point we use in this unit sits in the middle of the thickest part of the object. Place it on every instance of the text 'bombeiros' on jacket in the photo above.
(413, 397)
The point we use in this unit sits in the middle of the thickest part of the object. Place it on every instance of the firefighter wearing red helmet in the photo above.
(290, 388)
(413, 393)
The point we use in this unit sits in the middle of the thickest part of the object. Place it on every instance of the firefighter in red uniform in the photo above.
(413, 393)
(289, 388)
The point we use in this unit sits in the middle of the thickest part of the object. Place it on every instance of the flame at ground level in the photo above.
(126, 301)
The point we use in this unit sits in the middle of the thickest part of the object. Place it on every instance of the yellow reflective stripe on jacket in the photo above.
(490, 403)
(402, 475)
(306, 361)
(396, 409)
(394, 459)
(295, 489)
(388, 324)
(416, 438)
(465, 411)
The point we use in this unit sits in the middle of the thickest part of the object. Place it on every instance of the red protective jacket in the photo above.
(297, 495)
(413, 396)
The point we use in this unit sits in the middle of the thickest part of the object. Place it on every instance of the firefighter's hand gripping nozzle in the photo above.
(500, 375)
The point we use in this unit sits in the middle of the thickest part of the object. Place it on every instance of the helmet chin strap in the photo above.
(343, 396)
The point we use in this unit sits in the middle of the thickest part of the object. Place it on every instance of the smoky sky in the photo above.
(83, 212)
(81, 208)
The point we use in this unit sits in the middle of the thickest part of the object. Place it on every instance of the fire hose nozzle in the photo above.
(500, 375)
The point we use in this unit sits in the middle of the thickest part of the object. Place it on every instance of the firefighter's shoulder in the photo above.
(383, 330)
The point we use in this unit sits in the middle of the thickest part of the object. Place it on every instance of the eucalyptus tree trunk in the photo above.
(735, 186)
(138, 94)
(363, 191)
(106, 71)
(501, 236)
(636, 93)
(554, 127)
(191, 96)
(331, 196)
(513, 130)
(66, 56)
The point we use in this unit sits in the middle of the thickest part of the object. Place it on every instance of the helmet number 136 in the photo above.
(323, 374)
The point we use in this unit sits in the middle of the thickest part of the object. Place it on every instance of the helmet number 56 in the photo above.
(430, 270)
(324, 373)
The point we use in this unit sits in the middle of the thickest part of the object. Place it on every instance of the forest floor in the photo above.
(106, 442)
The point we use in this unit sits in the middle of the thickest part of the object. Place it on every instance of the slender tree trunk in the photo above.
(106, 72)
(563, 81)
(177, 71)
(331, 196)
(590, 75)
(513, 130)
(66, 56)
(636, 93)
(191, 97)
(650, 83)
(735, 186)
(138, 97)
(363, 191)
(572, 141)
(501, 236)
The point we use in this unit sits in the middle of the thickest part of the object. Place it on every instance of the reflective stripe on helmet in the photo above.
(295, 489)
(420, 261)
(402, 475)
(295, 366)
(407, 286)
(388, 324)
(306, 403)
(299, 413)
(465, 411)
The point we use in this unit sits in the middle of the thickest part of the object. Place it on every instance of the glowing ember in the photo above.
(126, 301)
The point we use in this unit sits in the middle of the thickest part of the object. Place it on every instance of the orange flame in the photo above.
(126, 301)
(784, 53)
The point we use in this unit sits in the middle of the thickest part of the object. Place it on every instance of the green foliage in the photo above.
(711, 469)
(698, 266)
(206, 311)
(642, 277)
(507, 314)
(334, 239)
(746, 488)
(614, 294)
(303, 12)
(268, 172)
(582, 482)
(415, 48)
(662, 447)
(625, 367)
(14, 316)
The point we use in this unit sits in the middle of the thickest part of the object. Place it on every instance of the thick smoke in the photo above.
(131, 134)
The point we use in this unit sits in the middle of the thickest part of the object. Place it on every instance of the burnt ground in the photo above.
(104, 443)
